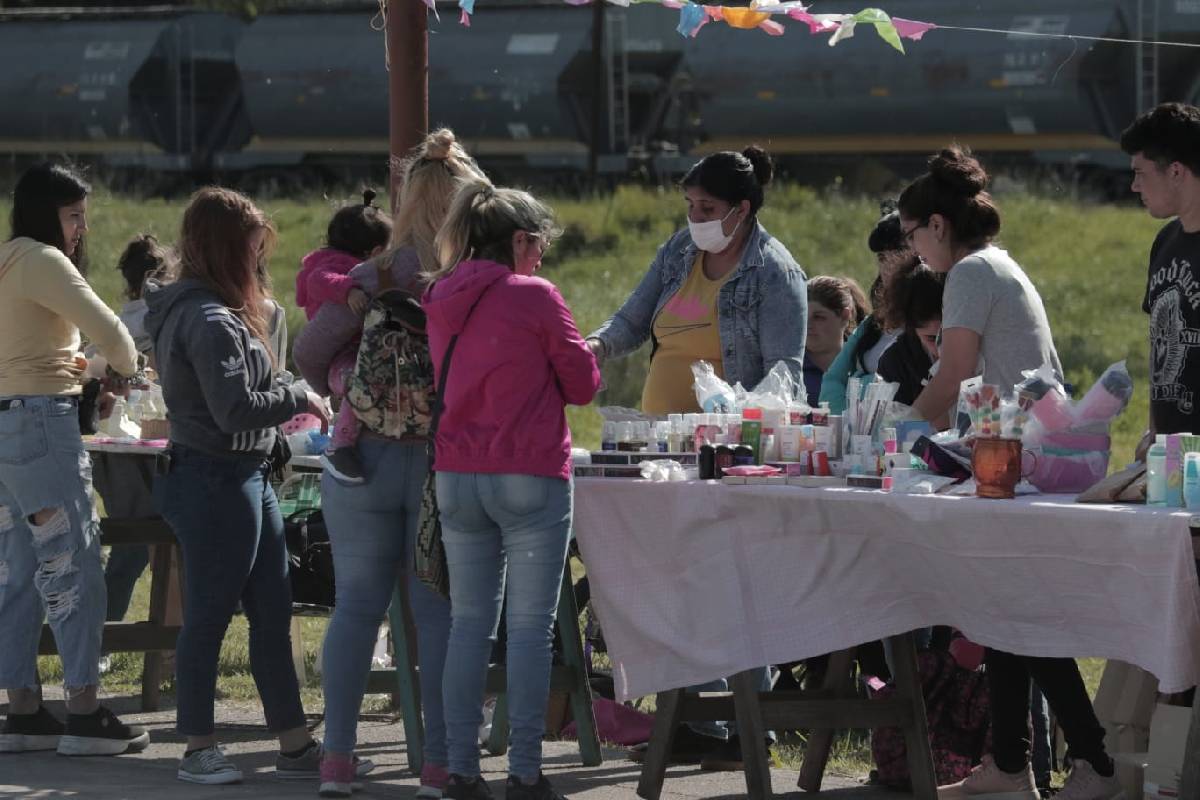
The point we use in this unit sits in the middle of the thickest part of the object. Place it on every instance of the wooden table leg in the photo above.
(1189, 782)
(916, 734)
(573, 658)
(820, 740)
(658, 751)
(408, 686)
(753, 734)
(162, 581)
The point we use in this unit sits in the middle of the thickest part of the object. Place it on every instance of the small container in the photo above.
(1156, 472)
(662, 434)
(820, 415)
(1191, 481)
(743, 455)
(608, 436)
(752, 431)
(724, 458)
(889, 440)
(707, 462)
(821, 463)
(789, 443)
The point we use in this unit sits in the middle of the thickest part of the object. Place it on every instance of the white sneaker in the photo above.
(208, 766)
(1084, 783)
(989, 782)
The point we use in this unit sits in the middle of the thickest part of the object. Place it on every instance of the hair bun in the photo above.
(760, 160)
(957, 169)
(368, 196)
(438, 144)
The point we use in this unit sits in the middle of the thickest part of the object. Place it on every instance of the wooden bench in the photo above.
(157, 634)
(823, 711)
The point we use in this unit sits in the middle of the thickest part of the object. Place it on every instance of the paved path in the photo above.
(151, 774)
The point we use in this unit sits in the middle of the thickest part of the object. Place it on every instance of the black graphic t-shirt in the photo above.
(1173, 303)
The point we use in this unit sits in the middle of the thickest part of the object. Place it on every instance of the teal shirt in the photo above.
(833, 385)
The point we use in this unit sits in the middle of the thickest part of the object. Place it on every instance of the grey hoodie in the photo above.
(216, 375)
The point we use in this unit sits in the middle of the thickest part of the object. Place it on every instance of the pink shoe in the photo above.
(337, 775)
(434, 778)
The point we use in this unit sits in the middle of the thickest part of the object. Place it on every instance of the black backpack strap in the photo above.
(439, 393)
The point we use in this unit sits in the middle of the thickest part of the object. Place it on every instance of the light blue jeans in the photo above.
(371, 527)
(52, 570)
(502, 532)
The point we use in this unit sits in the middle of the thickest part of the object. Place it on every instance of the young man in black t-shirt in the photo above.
(1164, 145)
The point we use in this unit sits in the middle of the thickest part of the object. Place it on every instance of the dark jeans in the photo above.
(126, 563)
(224, 513)
(1009, 679)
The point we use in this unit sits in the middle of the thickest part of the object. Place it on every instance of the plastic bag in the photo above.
(714, 395)
(1107, 398)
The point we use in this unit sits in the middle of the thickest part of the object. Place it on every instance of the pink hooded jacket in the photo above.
(519, 360)
(324, 278)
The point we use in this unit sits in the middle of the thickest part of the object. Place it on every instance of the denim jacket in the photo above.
(762, 310)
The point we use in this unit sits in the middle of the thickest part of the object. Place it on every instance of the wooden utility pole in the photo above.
(408, 82)
(599, 96)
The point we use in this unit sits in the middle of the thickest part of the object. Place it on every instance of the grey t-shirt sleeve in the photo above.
(971, 290)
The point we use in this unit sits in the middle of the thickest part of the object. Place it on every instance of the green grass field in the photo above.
(1088, 260)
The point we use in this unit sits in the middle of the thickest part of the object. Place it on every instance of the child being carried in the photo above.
(356, 233)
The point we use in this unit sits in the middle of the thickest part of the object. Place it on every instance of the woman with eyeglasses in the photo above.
(722, 290)
(508, 358)
(993, 320)
(991, 311)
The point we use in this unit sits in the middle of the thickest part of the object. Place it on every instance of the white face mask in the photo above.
(709, 236)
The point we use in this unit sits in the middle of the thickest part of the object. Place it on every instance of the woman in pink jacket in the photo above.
(504, 465)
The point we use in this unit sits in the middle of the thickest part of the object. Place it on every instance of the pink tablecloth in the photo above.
(696, 581)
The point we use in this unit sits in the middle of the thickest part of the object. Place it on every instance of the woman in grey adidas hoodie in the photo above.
(211, 333)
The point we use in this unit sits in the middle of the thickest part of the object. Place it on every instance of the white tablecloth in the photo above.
(696, 581)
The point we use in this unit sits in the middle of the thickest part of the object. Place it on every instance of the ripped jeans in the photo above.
(52, 570)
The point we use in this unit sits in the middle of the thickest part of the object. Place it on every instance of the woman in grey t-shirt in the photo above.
(992, 312)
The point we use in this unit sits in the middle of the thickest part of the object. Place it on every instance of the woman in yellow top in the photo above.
(722, 290)
(49, 538)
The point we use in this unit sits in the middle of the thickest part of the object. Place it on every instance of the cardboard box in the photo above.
(1168, 739)
(1125, 696)
(1131, 768)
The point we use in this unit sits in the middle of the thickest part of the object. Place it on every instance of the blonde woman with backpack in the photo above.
(372, 525)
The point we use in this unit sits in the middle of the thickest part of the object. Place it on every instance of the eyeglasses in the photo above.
(907, 235)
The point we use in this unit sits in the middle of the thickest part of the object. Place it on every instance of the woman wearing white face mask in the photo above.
(723, 290)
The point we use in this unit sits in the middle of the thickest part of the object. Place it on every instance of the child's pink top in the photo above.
(324, 278)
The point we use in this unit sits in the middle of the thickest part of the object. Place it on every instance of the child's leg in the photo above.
(346, 425)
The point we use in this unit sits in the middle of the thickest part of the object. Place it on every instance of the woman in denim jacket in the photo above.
(724, 290)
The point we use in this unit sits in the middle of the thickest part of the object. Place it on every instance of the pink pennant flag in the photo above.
(464, 19)
(675, 4)
(715, 12)
(910, 29)
(817, 23)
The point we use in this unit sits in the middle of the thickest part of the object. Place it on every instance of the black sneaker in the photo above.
(687, 747)
(343, 465)
(460, 787)
(25, 733)
(514, 789)
(101, 733)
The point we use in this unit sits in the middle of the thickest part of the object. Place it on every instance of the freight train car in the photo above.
(307, 89)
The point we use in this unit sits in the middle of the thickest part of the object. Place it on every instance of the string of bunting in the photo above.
(759, 15)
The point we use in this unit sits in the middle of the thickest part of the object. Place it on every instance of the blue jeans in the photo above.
(224, 513)
(501, 532)
(54, 569)
(372, 527)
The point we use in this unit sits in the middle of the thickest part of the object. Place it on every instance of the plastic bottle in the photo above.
(752, 431)
(1156, 472)
(662, 431)
(1191, 480)
(608, 436)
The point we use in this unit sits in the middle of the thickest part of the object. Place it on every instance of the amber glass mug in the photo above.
(997, 467)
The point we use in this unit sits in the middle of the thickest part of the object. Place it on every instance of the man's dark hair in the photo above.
(1167, 133)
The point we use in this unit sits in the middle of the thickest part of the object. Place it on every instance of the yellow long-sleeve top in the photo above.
(44, 304)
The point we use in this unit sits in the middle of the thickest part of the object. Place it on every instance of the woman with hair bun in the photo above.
(992, 310)
(723, 290)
